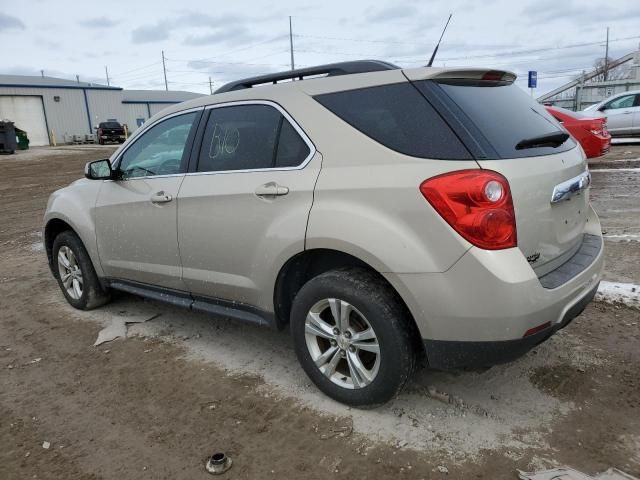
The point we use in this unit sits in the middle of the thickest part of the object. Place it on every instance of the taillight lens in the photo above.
(477, 204)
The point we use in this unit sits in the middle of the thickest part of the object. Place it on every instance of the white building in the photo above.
(53, 109)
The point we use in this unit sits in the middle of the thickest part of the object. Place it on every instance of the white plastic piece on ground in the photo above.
(615, 292)
(118, 328)
(565, 473)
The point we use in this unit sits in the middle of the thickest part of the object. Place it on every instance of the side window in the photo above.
(249, 137)
(292, 150)
(398, 117)
(159, 150)
(622, 102)
(239, 138)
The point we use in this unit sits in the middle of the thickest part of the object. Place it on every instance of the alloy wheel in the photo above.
(70, 273)
(342, 343)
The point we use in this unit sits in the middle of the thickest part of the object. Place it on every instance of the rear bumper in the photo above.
(478, 311)
(447, 354)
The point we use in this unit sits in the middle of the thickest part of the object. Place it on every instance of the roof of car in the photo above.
(322, 79)
(329, 70)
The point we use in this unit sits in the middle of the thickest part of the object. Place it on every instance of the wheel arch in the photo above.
(53, 228)
(308, 264)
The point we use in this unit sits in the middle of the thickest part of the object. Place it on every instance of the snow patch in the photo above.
(623, 237)
(598, 170)
(616, 292)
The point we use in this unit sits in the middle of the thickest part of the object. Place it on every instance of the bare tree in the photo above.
(619, 72)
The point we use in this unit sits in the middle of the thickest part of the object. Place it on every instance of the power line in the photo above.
(273, 39)
(534, 50)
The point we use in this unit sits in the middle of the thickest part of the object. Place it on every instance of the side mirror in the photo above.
(602, 108)
(98, 170)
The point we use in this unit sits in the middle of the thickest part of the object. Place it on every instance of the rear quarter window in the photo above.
(398, 117)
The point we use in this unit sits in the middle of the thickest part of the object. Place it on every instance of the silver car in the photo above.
(387, 217)
(622, 112)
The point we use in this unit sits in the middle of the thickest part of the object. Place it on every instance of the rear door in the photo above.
(243, 211)
(499, 116)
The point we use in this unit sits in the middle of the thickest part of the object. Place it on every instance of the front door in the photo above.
(244, 212)
(620, 113)
(136, 215)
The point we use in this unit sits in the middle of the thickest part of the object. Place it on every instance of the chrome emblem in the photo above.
(566, 190)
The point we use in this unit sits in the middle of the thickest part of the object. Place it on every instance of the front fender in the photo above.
(75, 206)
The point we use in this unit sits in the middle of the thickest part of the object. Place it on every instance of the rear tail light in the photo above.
(598, 128)
(477, 204)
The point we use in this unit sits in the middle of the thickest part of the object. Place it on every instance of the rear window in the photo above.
(504, 115)
(109, 125)
(398, 117)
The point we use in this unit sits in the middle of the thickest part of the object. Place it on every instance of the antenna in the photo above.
(435, 50)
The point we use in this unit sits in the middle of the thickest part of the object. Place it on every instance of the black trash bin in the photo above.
(8, 141)
(23, 139)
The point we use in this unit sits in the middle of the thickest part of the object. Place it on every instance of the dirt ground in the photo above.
(184, 385)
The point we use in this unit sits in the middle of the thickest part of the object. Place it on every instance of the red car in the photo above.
(590, 129)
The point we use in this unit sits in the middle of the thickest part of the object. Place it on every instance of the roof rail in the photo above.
(330, 70)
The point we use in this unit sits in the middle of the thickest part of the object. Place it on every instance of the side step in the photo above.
(214, 306)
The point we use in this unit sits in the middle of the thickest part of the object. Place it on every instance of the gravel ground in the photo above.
(183, 385)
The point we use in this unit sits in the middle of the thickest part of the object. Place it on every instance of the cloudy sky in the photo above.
(229, 40)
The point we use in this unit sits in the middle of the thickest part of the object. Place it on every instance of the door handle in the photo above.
(271, 189)
(161, 197)
(627, 113)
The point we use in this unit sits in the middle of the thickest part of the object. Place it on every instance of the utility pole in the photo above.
(210, 86)
(78, 78)
(42, 73)
(106, 71)
(606, 57)
(293, 66)
(164, 69)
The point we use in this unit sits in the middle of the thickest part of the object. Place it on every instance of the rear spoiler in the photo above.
(460, 74)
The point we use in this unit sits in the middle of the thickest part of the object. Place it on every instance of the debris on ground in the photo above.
(118, 328)
(566, 473)
(46, 445)
(443, 469)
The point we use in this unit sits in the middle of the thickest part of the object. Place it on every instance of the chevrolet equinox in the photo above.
(386, 216)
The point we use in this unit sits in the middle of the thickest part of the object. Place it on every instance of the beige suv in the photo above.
(385, 216)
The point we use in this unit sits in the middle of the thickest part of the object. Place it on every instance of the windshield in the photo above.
(507, 116)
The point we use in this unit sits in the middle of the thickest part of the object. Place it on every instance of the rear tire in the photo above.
(372, 357)
(75, 274)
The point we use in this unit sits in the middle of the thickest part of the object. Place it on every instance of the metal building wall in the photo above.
(158, 107)
(105, 105)
(66, 116)
(133, 111)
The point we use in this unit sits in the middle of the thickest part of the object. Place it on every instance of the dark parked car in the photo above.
(110, 132)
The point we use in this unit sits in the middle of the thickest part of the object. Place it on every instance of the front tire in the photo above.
(353, 337)
(75, 273)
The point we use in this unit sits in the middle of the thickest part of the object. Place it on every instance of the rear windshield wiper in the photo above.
(549, 140)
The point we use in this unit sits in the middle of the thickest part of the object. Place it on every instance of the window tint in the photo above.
(249, 137)
(159, 150)
(505, 115)
(622, 102)
(110, 125)
(398, 117)
(292, 150)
